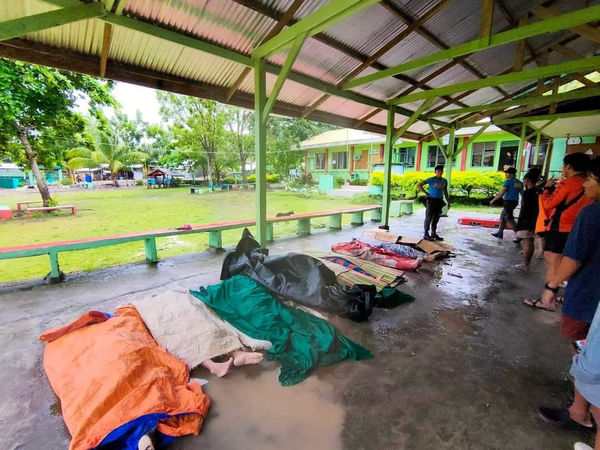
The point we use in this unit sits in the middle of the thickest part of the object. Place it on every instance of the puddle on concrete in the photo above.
(262, 414)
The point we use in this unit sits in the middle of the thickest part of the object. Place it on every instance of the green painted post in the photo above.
(260, 150)
(151, 253)
(537, 147)
(303, 227)
(54, 267)
(376, 215)
(357, 218)
(215, 240)
(387, 173)
(270, 236)
(335, 221)
(450, 158)
(521, 149)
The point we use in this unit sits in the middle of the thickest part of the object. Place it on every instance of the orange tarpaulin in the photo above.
(110, 372)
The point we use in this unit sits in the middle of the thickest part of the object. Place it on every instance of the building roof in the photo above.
(414, 48)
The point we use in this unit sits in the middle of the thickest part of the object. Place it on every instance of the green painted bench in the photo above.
(214, 230)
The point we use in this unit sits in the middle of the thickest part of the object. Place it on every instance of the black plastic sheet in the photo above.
(293, 276)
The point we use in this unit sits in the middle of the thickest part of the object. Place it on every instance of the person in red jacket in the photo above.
(561, 201)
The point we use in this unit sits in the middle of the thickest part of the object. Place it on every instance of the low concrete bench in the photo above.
(29, 211)
(30, 202)
(214, 230)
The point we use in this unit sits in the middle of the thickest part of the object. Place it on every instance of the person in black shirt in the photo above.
(527, 218)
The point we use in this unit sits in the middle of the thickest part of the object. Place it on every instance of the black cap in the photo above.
(511, 170)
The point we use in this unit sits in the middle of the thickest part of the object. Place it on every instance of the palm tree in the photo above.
(108, 149)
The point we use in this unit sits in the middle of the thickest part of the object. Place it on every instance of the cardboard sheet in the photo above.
(426, 246)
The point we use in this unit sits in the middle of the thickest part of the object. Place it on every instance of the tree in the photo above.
(240, 123)
(36, 106)
(198, 124)
(284, 136)
(107, 148)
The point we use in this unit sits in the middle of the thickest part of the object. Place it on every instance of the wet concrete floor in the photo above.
(462, 367)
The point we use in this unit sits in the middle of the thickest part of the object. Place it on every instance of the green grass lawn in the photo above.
(127, 210)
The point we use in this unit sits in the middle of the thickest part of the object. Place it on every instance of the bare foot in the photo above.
(241, 358)
(218, 369)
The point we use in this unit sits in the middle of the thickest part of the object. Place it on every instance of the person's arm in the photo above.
(421, 188)
(499, 196)
(551, 199)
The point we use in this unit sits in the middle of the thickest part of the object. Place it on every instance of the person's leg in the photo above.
(500, 232)
(436, 217)
(428, 216)
(596, 413)
(579, 411)
(527, 246)
(509, 217)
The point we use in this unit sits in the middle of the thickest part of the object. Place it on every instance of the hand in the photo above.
(551, 182)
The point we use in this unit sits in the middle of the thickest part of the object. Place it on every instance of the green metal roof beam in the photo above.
(557, 23)
(30, 24)
(412, 119)
(570, 115)
(525, 101)
(312, 24)
(539, 72)
(213, 49)
(285, 70)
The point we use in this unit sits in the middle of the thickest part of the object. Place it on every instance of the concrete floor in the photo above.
(462, 367)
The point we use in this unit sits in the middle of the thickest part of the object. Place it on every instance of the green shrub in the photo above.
(271, 178)
(65, 182)
(339, 182)
(306, 179)
(359, 182)
(406, 183)
(139, 182)
(229, 180)
(53, 201)
(251, 178)
(175, 182)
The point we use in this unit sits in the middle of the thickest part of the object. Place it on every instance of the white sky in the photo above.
(132, 98)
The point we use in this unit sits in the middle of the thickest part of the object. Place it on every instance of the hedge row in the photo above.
(463, 183)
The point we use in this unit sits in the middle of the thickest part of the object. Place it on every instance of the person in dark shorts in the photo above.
(509, 193)
(562, 201)
(438, 188)
(527, 218)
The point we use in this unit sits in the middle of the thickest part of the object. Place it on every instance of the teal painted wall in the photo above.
(560, 149)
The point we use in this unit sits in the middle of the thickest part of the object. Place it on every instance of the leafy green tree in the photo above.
(284, 136)
(36, 105)
(107, 148)
(198, 128)
(240, 123)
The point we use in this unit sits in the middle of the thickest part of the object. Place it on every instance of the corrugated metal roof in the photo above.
(241, 25)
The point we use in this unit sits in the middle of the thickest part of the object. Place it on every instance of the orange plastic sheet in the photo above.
(110, 372)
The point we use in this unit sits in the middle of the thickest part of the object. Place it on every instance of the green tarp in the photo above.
(301, 341)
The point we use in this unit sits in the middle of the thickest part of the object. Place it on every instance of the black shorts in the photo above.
(555, 241)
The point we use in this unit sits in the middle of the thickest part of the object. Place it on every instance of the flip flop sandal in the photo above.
(534, 305)
(560, 417)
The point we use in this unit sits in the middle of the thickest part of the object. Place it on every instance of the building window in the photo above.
(483, 154)
(436, 156)
(319, 161)
(406, 156)
(339, 160)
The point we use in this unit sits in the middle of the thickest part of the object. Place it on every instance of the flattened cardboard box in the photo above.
(426, 246)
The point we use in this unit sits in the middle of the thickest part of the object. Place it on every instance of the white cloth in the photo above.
(189, 329)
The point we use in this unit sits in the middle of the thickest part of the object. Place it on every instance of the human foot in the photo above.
(241, 358)
(581, 417)
(537, 303)
(560, 417)
(218, 369)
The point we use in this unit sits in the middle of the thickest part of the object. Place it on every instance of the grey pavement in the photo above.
(462, 367)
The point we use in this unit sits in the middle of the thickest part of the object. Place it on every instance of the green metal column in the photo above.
(537, 148)
(520, 150)
(387, 174)
(450, 158)
(260, 150)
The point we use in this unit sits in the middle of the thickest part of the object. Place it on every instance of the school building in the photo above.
(351, 154)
